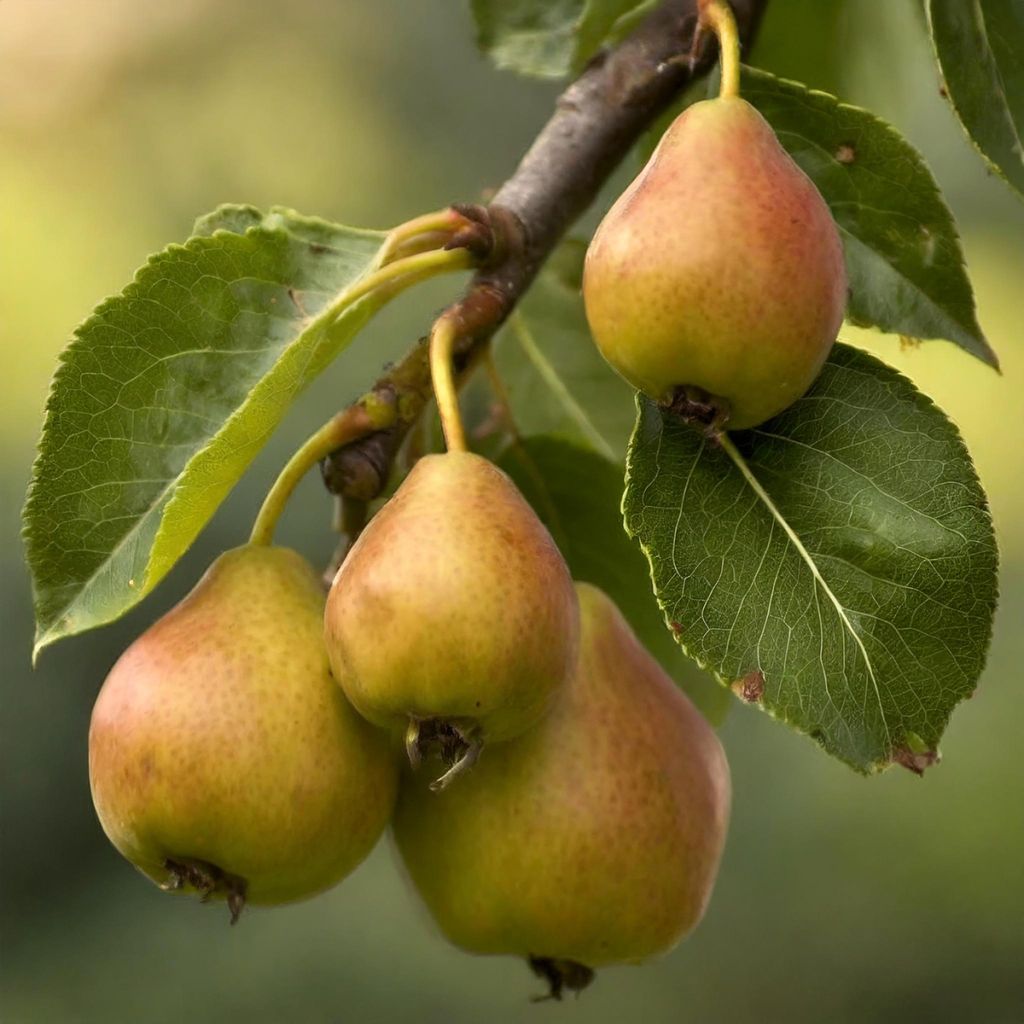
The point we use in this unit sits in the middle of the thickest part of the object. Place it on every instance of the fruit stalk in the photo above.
(717, 15)
(344, 428)
(442, 344)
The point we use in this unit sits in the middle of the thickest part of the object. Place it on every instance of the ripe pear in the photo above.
(222, 755)
(454, 611)
(718, 277)
(594, 838)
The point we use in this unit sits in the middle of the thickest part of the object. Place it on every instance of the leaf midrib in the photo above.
(551, 378)
(748, 475)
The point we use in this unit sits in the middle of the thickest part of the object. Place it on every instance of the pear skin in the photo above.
(592, 839)
(222, 755)
(454, 607)
(719, 272)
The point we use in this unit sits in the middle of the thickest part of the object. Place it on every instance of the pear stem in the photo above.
(349, 425)
(717, 15)
(442, 342)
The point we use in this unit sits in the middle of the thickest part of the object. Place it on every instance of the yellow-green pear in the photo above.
(716, 282)
(222, 755)
(454, 613)
(592, 839)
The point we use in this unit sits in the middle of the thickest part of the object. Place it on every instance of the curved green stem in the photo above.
(400, 274)
(425, 242)
(342, 429)
(717, 15)
(442, 374)
(442, 223)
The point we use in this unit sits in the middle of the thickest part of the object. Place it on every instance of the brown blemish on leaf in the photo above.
(297, 301)
(915, 762)
(846, 154)
(676, 627)
(907, 342)
(751, 687)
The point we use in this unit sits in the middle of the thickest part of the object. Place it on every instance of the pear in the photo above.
(716, 282)
(222, 755)
(594, 838)
(454, 615)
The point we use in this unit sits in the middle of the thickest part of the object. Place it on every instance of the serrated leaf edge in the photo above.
(44, 637)
(979, 345)
(951, 99)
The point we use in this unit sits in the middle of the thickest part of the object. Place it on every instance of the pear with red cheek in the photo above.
(223, 758)
(716, 283)
(592, 839)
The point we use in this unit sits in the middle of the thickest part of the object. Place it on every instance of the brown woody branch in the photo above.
(596, 122)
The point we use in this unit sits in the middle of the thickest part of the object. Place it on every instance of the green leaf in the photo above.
(557, 381)
(548, 38)
(165, 395)
(841, 569)
(577, 494)
(903, 254)
(980, 50)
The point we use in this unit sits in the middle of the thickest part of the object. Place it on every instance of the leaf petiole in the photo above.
(429, 231)
(395, 277)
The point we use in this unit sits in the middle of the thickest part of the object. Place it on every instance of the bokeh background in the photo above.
(840, 899)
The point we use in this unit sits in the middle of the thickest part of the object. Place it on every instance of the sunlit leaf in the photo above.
(165, 395)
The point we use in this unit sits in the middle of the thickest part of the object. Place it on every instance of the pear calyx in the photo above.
(559, 975)
(208, 881)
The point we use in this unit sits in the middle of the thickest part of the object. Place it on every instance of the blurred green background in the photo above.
(840, 899)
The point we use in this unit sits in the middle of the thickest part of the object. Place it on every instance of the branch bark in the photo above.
(596, 122)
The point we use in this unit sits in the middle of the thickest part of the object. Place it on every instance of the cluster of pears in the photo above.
(249, 745)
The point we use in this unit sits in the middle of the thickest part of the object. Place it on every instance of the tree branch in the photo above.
(596, 122)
